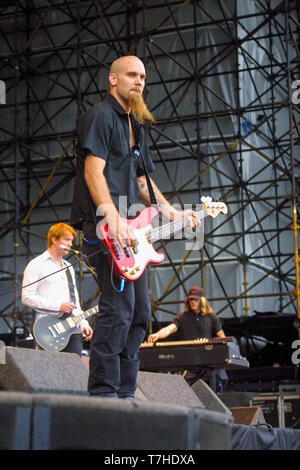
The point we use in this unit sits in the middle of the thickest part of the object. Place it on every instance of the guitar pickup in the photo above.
(71, 322)
(117, 250)
(135, 249)
(51, 331)
(127, 251)
(59, 327)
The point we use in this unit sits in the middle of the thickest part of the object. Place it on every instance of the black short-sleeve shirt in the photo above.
(192, 326)
(104, 132)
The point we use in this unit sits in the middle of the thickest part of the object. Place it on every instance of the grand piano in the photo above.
(215, 353)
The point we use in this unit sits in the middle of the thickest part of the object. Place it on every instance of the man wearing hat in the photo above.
(198, 320)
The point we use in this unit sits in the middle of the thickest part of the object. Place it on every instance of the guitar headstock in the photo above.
(213, 208)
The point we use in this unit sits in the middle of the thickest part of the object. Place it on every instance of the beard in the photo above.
(139, 109)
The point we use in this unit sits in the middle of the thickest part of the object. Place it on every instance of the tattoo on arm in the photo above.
(144, 193)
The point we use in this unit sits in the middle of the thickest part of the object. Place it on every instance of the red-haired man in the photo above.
(49, 286)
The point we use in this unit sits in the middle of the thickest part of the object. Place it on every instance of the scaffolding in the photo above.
(222, 85)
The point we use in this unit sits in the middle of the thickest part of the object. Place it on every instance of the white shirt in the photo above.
(45, 287)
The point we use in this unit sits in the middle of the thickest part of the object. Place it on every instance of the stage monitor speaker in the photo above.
(248, 415)
(29, 370)
(69, 422)
(208, 397)
(36, 371)
(170, 389)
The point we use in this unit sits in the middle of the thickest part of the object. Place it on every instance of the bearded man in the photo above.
(110, 182)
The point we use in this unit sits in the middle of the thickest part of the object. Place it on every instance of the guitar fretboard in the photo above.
(86, 314)
(164, 231)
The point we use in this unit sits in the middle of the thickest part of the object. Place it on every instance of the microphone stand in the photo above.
(75, 254)
(84, 264)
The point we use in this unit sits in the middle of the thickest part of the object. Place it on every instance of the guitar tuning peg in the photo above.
(206, 199)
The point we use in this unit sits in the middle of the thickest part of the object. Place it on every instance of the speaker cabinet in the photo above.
(74, 422)
(280, 410)
(157, 387)
(43, 406)
(166, 388)
(30, 370)
(208, 398)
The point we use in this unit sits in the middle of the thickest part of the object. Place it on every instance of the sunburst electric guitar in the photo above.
(130, 263)
(53, 333)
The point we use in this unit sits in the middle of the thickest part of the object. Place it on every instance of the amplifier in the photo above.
(271, 409)
(291, 409)
(279, 410)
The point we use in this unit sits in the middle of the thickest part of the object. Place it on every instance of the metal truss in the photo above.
(54, 63)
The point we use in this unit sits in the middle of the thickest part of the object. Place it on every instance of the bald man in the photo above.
(110, 181)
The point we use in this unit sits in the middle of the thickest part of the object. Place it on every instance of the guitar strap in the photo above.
(150, 187)
(71, 286)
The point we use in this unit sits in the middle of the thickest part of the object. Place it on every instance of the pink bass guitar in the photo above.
(130, 263)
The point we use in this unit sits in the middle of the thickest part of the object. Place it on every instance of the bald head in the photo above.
(127, 79)
(126, 84)
(119, 64)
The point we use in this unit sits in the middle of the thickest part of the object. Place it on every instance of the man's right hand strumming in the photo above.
(120, 230)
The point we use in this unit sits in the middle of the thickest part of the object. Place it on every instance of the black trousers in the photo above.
(119, 329)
